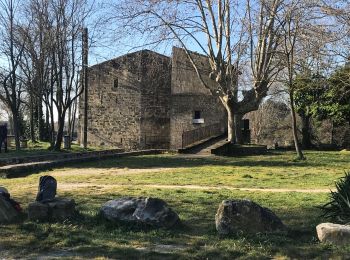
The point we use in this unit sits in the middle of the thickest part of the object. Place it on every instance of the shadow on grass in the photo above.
(88, 235)
(271, 160)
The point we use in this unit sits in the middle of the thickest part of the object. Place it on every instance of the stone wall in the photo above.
(129, 99)
(146, 100)
(114, 110)
(155, 100)
(190, 95)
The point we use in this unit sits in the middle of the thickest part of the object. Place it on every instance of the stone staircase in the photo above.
(205, 148)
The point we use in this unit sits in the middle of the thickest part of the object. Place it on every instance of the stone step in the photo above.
(208, 149)
(203, 145)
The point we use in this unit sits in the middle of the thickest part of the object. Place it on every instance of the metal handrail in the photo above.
(198, 134)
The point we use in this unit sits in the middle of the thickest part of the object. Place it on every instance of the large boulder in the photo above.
(58, 209)
(333, 233)
(245, 215)
(150, 211)
(7, 212)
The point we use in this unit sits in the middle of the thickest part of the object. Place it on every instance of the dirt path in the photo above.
(111, 171)
(70, 186)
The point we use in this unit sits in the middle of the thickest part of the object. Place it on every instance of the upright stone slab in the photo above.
(247, 216)
(58, 209)
(7, 212)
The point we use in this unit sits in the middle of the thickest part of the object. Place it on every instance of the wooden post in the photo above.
(85, 83)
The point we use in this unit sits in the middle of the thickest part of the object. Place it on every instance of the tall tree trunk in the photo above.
(47, 123)
(32, 126)
(238, 130)
(298, 150)
(306, 132)
(31, 115)
(73, 119)
(332, 132)
(52, 137)
(230, 124)
(52, 129)
(73, 130)
(69, 130)
(16, 130)
(11, 124)
(40, 118)
(230, 119)
(60, 129)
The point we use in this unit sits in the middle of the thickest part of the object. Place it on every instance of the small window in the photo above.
(197, 114)
(115, 83)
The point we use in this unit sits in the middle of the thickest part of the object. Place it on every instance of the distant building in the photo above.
(147, 100)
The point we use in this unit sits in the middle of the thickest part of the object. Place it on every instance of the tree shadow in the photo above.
(146, 162)
(274, 159)
(88, 235)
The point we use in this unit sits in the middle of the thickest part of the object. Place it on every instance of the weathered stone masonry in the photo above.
(189, 95)
(146, 100)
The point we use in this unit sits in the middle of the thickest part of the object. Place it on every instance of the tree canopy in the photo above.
(324, 97)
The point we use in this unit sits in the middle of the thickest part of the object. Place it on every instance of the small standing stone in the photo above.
(333, 233)
(247, 216)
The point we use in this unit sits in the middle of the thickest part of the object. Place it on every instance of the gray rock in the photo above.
(120, 209)
(7, 212)
(245, 215)
(62, 208)
(58, 209)
(333, 233)
(38, 211)
(151, 211)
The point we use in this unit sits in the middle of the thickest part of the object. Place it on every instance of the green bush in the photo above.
(338, 208)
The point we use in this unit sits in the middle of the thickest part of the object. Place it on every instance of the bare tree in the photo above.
(300, 19)
(270, 124)
(68, 17)
(338, 12)
(35, 64)
(12, 50)
(53, 61)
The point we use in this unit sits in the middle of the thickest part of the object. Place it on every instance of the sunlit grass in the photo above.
(92, 184)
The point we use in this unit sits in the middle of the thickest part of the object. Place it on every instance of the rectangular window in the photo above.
(197, 114)
(197, 118)
(115, 83)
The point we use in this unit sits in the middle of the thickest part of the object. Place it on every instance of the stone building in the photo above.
(147, 100)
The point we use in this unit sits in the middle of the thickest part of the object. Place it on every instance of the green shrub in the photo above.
(338, 208)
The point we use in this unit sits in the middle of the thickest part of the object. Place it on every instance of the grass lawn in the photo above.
(191, 186)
